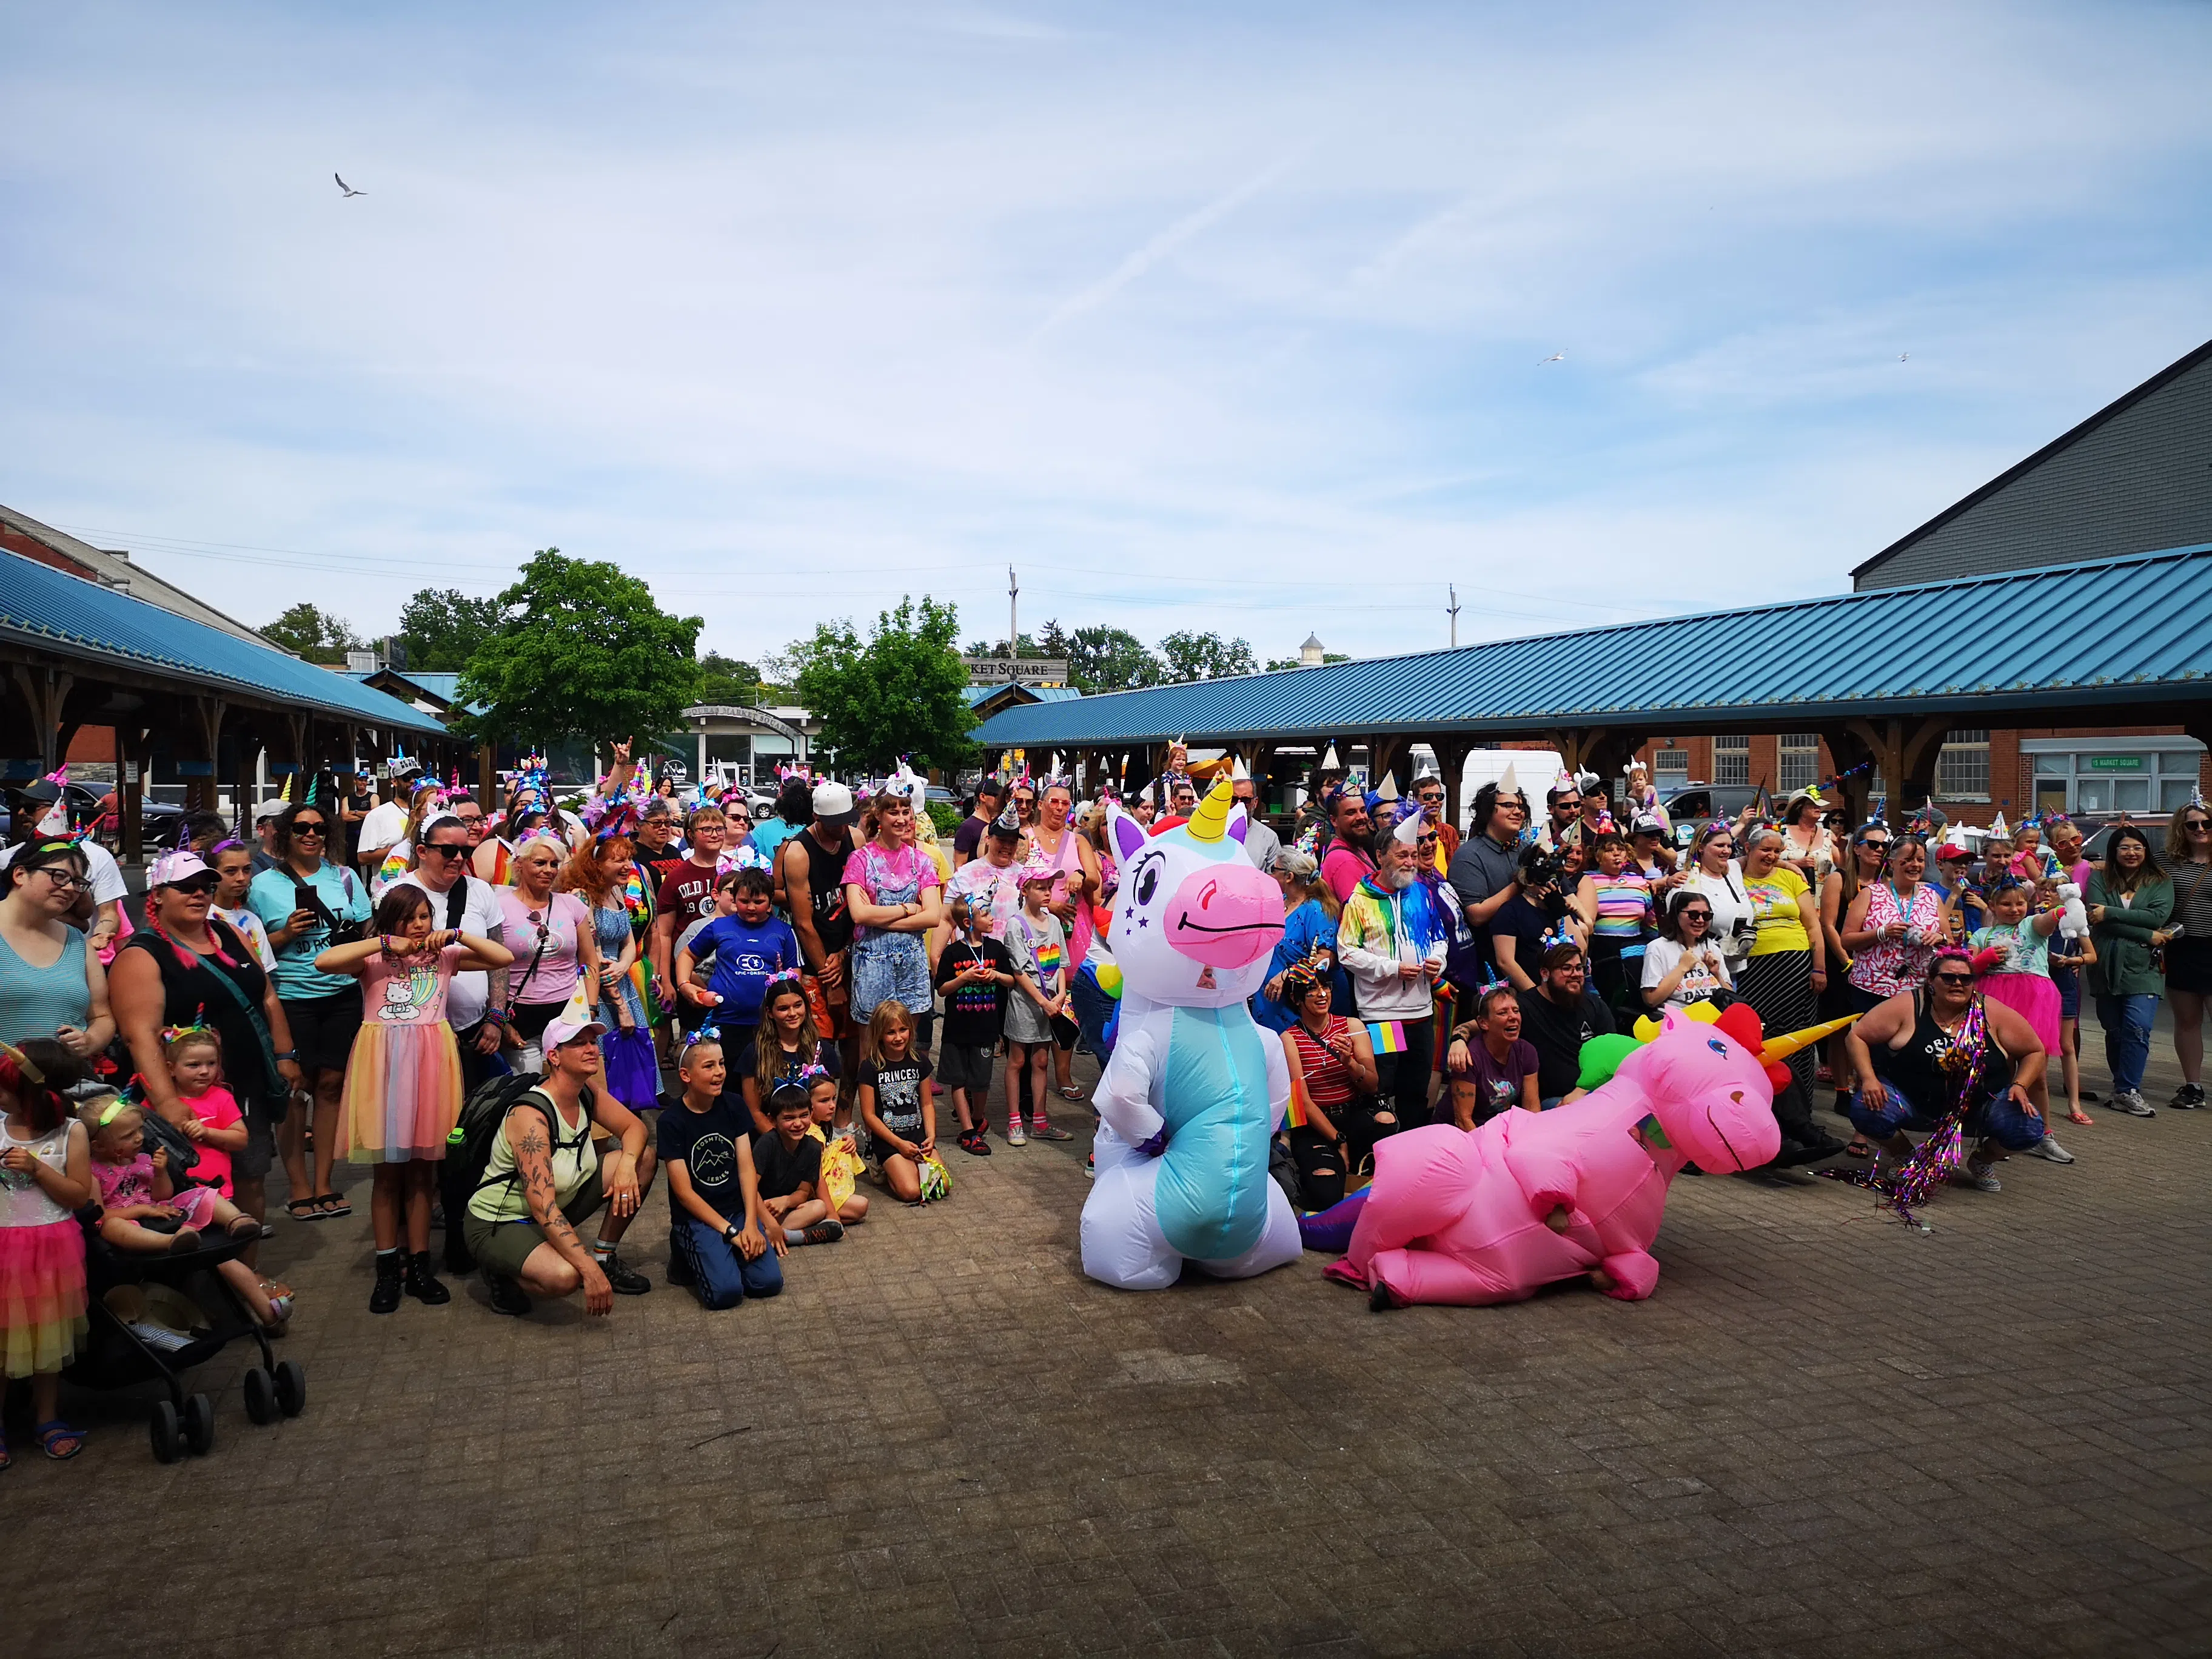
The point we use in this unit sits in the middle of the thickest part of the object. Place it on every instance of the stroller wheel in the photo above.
(291, 1387)
(260, 1395)
(199, 1424)
(169, 1439)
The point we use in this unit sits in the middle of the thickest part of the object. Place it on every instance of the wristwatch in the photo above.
(729, 1233)
(292, 1054)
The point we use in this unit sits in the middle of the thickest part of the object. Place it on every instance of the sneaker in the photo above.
(1014, 1135)
(623, 1279)
(2131, 1101)
(1980, 1176)
(825, 1233)
(2048, 1148)
(2189, 1098)
(507, 1296)
(1090, 1166)
(1051, 1131)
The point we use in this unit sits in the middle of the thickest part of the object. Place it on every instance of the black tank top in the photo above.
(191, 996)
(825, 883)
(1917, 1067)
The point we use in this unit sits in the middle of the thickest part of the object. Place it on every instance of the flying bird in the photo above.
(347, 188)
(1903, 356)
(1556, 357)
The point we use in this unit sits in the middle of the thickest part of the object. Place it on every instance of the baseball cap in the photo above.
(38, 789)
(171, 868)
(833, 803)
(1645, 824)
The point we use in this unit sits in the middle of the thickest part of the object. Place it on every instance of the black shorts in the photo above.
(965, 1068)
(323, 1030)
(2188, 965)
(530, 1019)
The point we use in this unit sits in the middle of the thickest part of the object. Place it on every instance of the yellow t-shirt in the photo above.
(1774, 908)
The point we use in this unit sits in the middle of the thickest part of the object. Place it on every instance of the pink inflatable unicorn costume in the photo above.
(1194, 1091)
(1530, 1198)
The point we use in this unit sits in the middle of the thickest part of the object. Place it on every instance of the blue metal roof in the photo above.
(441, 683)
(74, 617)
(2109, 631)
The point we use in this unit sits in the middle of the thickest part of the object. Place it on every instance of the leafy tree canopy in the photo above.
(439, 628)
(1109, 659)
(315, 634)
(898, 692)
(582, 652)
(727, 681)
(1192, 656)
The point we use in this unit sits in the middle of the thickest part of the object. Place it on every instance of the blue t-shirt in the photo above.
(743, 956)
(1305, 929)
(768, 836)
(345, 900)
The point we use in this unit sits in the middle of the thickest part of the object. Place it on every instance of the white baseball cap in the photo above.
(833, 803)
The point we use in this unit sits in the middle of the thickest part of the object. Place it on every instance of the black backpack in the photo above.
(468, 1151)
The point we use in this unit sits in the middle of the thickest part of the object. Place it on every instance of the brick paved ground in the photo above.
(1824, 1435)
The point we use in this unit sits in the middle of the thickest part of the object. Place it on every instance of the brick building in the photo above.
(2134, 478)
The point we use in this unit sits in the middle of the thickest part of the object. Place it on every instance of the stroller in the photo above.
(122, 1350)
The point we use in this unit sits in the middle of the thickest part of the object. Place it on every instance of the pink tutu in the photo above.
(41, 1296)
(2034, 998)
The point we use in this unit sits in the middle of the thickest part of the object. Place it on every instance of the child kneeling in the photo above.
(719, 1240)
(788, 1161)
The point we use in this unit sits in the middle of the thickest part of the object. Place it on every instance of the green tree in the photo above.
(727, 680)
(898, 692)
(315, 634)
(441, 628)
(1109, 659)
(582, 652)
(1207, 656)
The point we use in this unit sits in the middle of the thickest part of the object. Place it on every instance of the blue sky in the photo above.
(1202, 316)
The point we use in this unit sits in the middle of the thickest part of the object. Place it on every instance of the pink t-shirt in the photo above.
(876, 873)
(122, 1186)
(218, 1109)
(408, 990)
(1342, 870)
(554, 976)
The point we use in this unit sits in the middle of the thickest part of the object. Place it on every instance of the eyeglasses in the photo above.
(66, 880)
(446, 850)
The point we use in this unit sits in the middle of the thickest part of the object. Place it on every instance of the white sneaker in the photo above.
(2133, 1104)
(2048, 1148)
(1015, 1137)
(1980, 1177)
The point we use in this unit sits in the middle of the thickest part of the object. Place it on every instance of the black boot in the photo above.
(390, 1264)
(422, 1281)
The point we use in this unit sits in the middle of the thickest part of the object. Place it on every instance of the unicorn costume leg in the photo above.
(1280, 1244)
(1122, 1244)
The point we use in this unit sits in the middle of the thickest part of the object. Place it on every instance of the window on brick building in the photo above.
(1962, 769)
(1797, 765)
(1731, 760)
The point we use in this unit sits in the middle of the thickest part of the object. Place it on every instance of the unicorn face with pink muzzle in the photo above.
(1194, 1091)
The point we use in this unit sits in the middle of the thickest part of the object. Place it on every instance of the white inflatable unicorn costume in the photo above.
(1194, 1091)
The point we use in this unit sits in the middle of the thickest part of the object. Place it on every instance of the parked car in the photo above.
(160, 819)
(1688, 808)
(2099, 840)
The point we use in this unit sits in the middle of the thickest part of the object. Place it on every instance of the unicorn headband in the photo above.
(1560, 934)
(24, 1063)
(199, 1027)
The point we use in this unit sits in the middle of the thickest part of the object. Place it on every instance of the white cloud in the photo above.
(794, 311)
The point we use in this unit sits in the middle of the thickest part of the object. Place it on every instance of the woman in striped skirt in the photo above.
(1783, 977)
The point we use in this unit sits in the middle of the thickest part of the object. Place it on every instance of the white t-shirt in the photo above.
(382, 826)
(1698, 985)
(253, 930)
(470, 994)
(1731, 906)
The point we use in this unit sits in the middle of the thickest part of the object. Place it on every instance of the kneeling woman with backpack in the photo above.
(534, 1176)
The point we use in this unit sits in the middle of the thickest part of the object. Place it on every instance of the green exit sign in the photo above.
(2116, 763)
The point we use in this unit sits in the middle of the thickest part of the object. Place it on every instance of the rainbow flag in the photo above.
(1388, 1036)
(1294, 1115)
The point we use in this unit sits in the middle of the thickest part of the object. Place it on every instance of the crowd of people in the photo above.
(559, 1004)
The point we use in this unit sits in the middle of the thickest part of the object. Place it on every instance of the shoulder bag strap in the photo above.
(271, 1077)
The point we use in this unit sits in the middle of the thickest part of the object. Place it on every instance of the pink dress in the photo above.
(124, 1185)
(403, 1086)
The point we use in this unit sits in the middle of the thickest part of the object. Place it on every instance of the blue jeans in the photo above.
(2001, 1118)
(720, 1278)
(2127, 1021)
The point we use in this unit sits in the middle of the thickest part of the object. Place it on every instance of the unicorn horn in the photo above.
(1209, 821)
(1790, 1043)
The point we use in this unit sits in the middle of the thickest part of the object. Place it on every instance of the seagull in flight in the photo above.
(1556, 357)
(1903, 356)
(347, 188)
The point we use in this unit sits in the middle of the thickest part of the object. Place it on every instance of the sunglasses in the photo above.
(200, 885)
(446, 850)
(2196, 824)
(1431, 797)
(1951, 979)
(1697, 916)
(308, 827)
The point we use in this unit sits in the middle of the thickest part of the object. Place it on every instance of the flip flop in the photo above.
(52, 1434)
(1071, 1092)
(303, 1209)
(329, 1206)
(1858, 1148)
(2079, 1117)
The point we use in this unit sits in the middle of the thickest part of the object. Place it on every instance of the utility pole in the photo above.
(1453, 589)
(1014, 617)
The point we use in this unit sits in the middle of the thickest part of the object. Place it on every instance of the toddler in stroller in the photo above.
(142, 1213)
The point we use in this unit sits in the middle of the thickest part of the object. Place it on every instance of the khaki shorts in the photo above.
(502, 1247)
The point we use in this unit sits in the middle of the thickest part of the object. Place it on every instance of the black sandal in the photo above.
(303, 1209)
(329, 1206)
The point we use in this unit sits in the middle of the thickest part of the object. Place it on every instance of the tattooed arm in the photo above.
(533, 1167)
